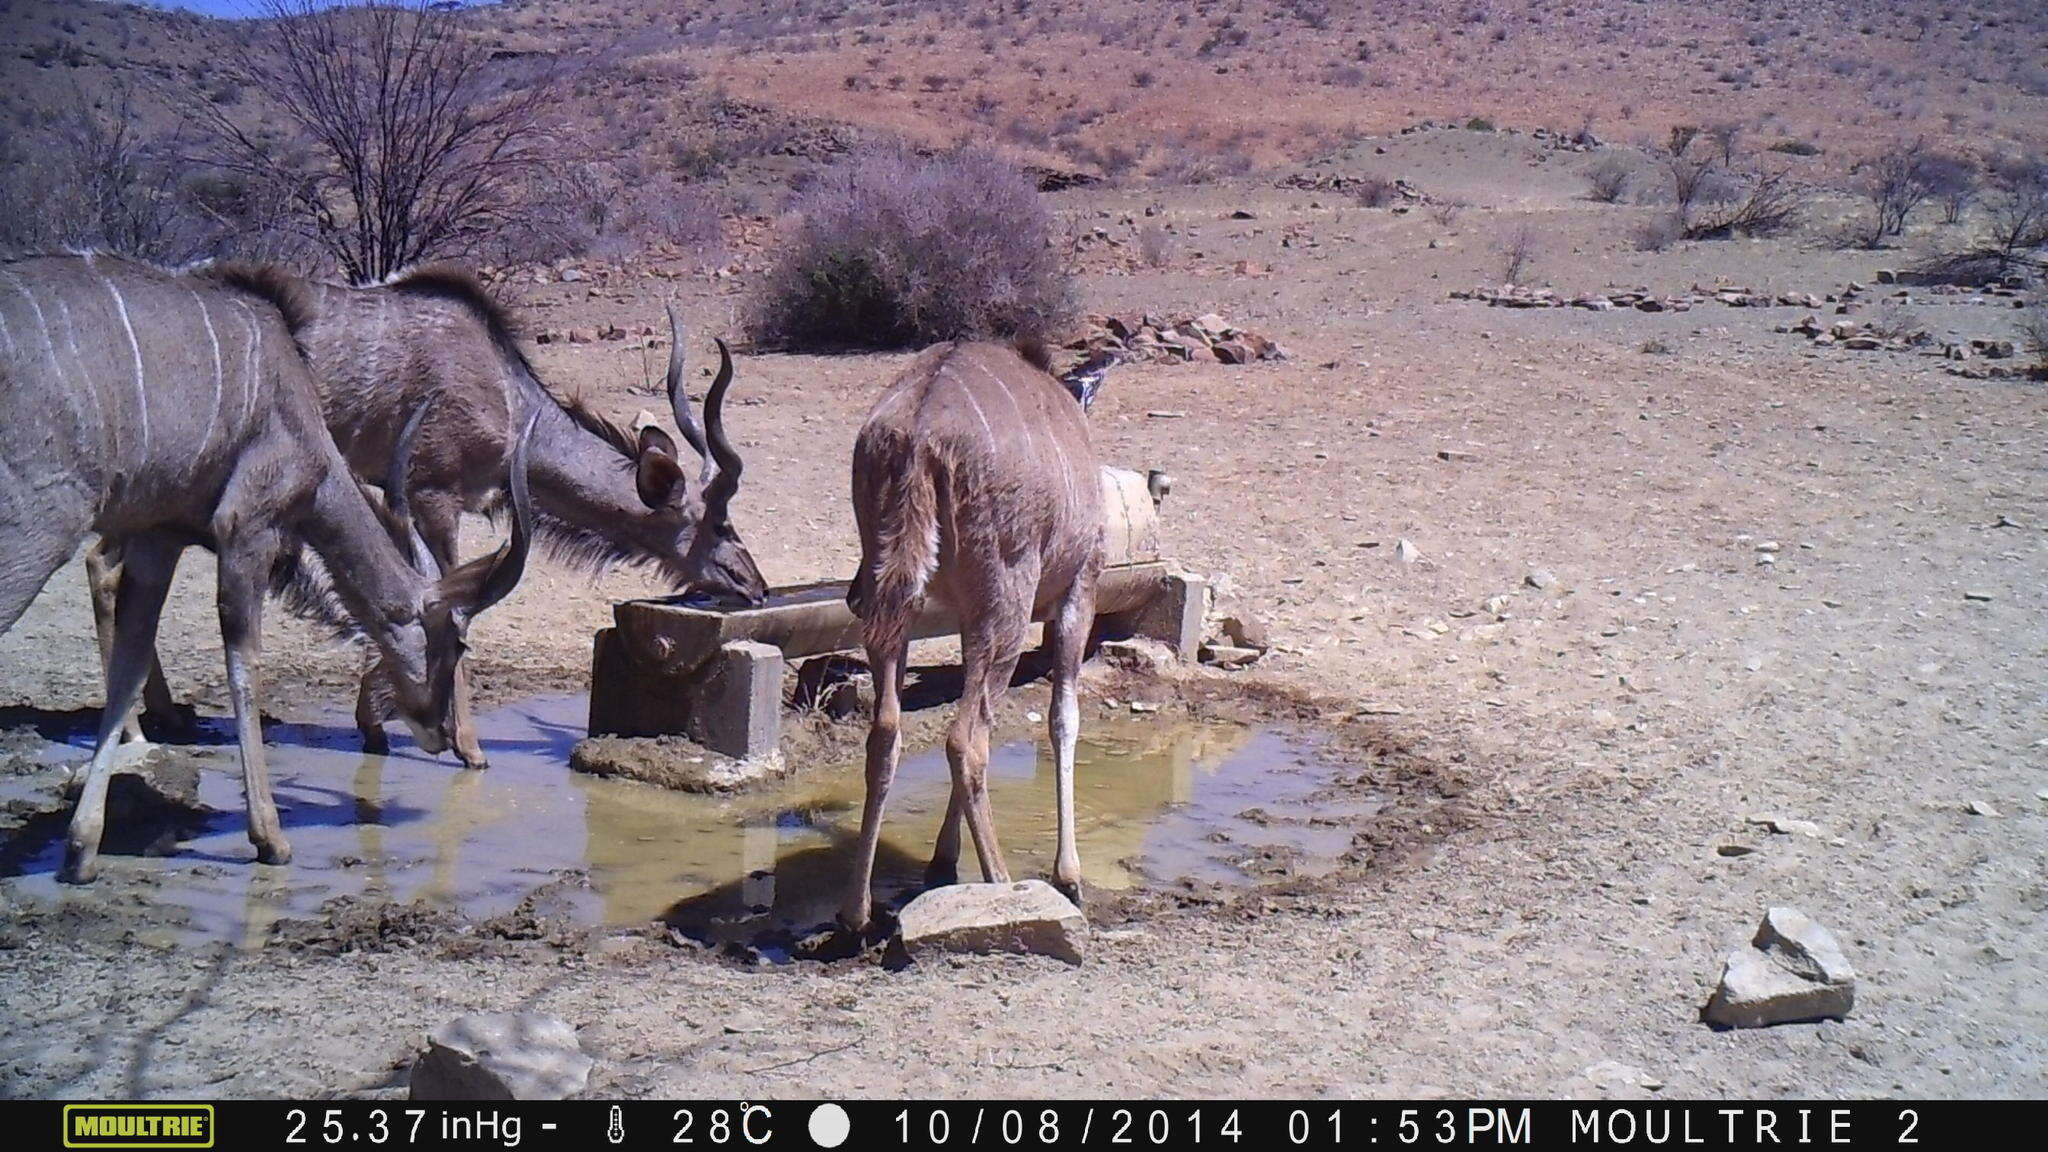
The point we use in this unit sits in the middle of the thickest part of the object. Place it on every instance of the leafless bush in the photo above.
(1896, 182)
(1953, 182)
(1658, 234)
(888, 249)
(1374, 192)
(2013, 229)
(1608, 180)
(1156, 245)
(405, 145)
(1189, 164)
(1774, 205)
(1726, 137)
(1517, 251)
(1446, 212)
(2034, 333)
(90, 180)
(1895, 323)
(1690, 177)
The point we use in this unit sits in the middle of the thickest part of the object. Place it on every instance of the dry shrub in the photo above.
(1374, 192)
(1773, 206)
(1896, 182)
(1658, 234)
(2034, 333)
(1608, 180)
(890, 250)
(1156, 245)
(1517, 251)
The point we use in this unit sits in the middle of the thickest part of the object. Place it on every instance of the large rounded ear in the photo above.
(653, 439)
(656, 475)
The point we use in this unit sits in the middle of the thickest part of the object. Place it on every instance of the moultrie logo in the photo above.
(138, 1125)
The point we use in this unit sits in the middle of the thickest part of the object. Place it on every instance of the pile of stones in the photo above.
(1151, 338)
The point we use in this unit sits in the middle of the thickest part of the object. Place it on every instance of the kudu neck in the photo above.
(374, 579)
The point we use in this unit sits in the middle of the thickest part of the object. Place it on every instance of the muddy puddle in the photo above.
(1159, 802)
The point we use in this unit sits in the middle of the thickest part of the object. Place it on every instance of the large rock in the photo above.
(1024, 916)
(501, 1056)
(1794, 971)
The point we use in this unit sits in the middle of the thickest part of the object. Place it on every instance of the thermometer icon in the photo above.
(616, 1130)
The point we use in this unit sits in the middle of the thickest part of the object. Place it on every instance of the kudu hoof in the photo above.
(179, 720)
(474, 761)
(375, 742)
(1071, 889)
(81, 865)
(277, 853)
(937, 875)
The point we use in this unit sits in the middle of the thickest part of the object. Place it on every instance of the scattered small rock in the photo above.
(501, 1056)
(1981, 808)
(1406, 552)
(1794, 970)
(1229, 656)
(1540, 578)
(1787, 827)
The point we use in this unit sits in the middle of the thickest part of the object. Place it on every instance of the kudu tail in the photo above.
(898, 510)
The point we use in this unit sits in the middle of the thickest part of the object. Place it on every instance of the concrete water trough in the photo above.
(714, 675)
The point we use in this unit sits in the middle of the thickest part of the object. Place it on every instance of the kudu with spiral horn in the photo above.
(602, 494)
(163, 411)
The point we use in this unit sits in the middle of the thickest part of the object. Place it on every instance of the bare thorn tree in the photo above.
(404, 145)
(1896, 182)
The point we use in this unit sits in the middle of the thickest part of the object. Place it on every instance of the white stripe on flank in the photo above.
(92, 391)
(5, 334)
(255, 341)
(987, 432)
(213, 413)
(50, 342)
(141, 395)
(1031, 431)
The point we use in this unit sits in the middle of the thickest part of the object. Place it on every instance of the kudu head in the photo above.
(419, 664)
(698, 547)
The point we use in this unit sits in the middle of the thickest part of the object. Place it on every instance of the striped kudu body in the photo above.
(975, 482)
(602, 494)
(162, 411)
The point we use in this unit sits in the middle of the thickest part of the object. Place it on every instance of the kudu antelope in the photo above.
(975, 482)
(163, 410)
(602, 494)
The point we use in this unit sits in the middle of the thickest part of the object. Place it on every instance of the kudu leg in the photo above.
(370, 707)
(244, 570)
(944, 868)
(440, 526)
(989, 656)
(1067, 636)
(884, 739)
(144, 582)
(103, 578)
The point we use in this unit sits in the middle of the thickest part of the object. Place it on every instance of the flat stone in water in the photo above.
(1028, 916)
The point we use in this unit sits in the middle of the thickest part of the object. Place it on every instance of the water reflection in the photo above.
(1155, 801)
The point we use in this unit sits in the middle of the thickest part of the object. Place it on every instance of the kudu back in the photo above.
(602, 494)
(166, 410)
(975, 482)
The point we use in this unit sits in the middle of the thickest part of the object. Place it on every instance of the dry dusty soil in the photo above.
(1550, 915)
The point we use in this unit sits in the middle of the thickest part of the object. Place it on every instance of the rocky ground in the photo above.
(1630, 580)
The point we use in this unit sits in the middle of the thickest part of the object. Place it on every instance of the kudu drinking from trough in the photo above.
(602, 494)
(163, 410)
(975, 482)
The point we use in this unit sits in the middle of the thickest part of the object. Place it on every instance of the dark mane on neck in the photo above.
(1035, 351)
(621, 439)
(459, 286)
(278, 287)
